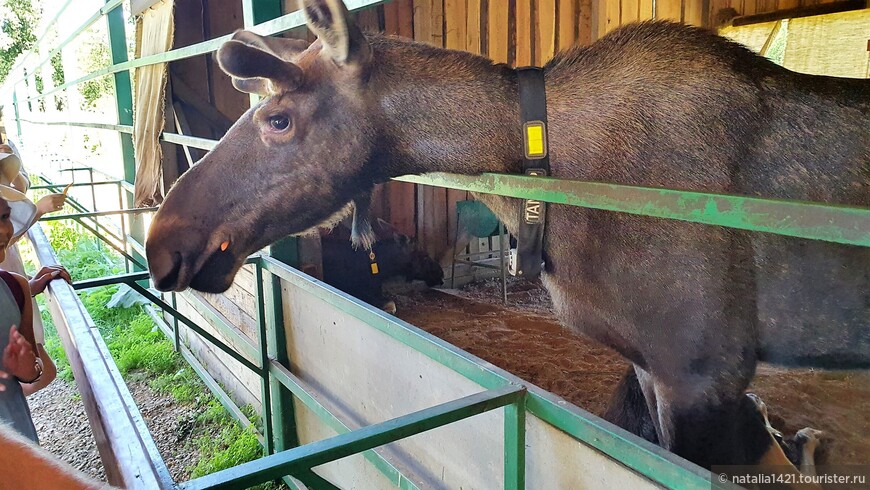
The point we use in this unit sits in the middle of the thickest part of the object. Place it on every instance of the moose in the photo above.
(692, 307)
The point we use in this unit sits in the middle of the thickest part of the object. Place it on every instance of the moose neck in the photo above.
(445, 111)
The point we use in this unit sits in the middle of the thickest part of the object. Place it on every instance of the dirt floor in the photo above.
(524, 338)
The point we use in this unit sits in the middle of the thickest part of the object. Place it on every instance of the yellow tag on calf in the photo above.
(374, 268)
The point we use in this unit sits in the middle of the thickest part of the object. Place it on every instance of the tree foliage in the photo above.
(18, 19)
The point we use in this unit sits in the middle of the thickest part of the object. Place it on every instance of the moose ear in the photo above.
(343, 40)
(285, 48)
(257, 86)
(240, 60)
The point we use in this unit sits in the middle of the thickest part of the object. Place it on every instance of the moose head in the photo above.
(335, 118)
(285, 165)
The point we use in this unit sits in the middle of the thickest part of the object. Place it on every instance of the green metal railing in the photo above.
(267, 357)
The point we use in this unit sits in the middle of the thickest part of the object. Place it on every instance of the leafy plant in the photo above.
(58, 78)
(94, 55)
(17, 19)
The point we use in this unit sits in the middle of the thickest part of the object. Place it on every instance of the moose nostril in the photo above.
(169, 281)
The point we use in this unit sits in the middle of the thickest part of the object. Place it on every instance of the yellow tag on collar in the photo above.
(536, 143)
(374, 267)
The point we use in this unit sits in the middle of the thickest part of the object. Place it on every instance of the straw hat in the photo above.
(23, 210)
(10, 167)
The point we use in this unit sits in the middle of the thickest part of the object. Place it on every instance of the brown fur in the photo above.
(693, 307)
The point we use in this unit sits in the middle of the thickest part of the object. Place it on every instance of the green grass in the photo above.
(142, 351)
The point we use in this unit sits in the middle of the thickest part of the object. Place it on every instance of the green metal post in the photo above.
(124, 104)
(264, 362)
(27, 91)
(283, 416)
(15, 107)
(515, 445)
(176, 335)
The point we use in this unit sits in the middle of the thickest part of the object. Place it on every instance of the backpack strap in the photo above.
(15, 287)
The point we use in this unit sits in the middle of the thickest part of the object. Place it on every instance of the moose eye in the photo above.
(279, 122)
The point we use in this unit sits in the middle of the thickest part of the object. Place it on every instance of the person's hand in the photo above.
(50, 203)
(19, 359)
(45, 276)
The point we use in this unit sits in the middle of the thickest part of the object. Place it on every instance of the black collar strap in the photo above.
(536, 162)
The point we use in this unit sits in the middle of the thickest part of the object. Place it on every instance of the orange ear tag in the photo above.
(225, 245)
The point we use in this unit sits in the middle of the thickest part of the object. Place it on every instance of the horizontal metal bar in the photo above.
(77, 169)
(832, 223)
(341, 446)
(193, 326)
(99, 213)
(72, 124)
(295, 385)
(108, 228)
(275, 26)
(109, 280)
(77, 184)
(478, 264)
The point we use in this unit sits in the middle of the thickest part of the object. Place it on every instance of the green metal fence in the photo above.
(267, 358)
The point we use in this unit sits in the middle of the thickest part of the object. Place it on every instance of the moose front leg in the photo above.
(630, 409)
(716, 429)
(361, 233)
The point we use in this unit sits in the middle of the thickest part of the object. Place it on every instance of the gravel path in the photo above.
(60, 420)
(62, 426)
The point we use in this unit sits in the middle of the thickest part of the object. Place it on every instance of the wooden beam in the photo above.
(126, 448)
(669, 9)
(545, 34)
(524, 32)
(498, 31)
(568, 18)
(820, 9)
(185, 93)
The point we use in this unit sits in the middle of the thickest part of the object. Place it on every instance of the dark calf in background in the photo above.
(350, 270)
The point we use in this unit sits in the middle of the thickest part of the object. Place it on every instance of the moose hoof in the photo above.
(390, 307)
(809, 438)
